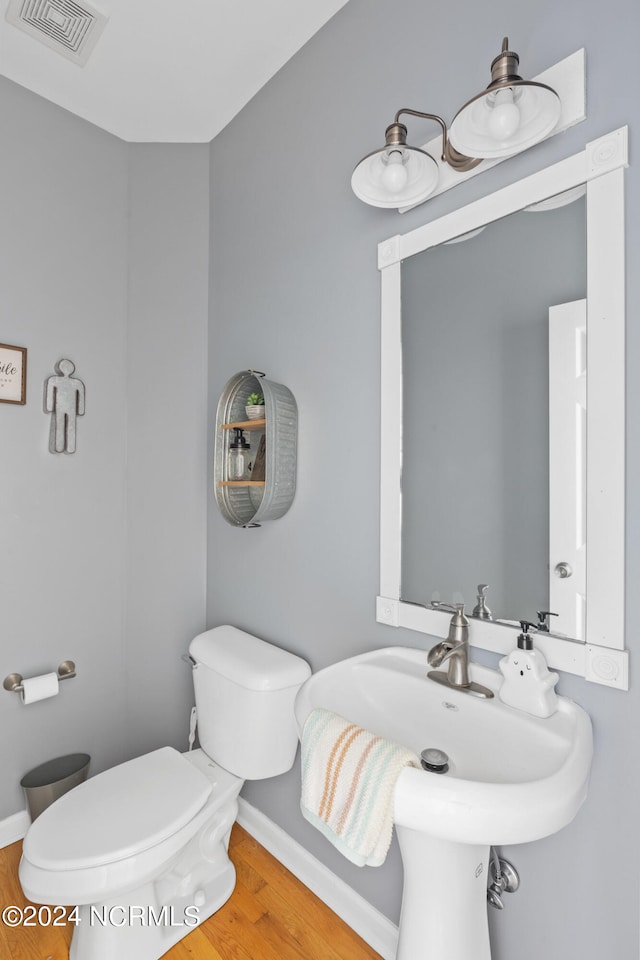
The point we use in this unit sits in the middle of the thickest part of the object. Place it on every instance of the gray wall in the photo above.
(103, 259)
(295, 293)
(166, 436)
(63, 282)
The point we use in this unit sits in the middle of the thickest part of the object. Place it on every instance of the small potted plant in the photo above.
(254, 406)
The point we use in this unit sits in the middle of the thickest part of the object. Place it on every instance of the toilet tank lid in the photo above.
(250, 662)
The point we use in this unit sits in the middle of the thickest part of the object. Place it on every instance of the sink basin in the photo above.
(512, 778)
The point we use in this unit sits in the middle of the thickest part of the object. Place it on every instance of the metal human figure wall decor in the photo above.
(65, 400)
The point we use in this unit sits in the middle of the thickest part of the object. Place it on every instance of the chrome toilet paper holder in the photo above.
(14, 681)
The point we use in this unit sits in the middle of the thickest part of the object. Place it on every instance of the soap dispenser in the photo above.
(239, 449)
(481, 610)
(528, 683)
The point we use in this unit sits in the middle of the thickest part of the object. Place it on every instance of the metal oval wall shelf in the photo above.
(248, 503)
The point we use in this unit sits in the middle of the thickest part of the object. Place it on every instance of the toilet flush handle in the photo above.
(193, 722)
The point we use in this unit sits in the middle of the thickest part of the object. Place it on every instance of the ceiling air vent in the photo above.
(70, 29)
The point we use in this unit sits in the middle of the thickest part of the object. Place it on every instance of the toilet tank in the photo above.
(245, 688)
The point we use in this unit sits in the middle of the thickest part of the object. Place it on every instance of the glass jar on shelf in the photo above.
(239, 453)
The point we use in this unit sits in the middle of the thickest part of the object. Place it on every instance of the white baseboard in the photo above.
(14, 827)
(374, 928)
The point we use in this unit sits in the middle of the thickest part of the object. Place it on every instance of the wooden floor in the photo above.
(270, 916)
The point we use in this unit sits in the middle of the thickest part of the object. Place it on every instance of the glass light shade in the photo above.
(471, 130)
(395, 177)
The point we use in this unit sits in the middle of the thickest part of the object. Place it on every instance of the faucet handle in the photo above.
(443, 605)
(458, 627)
(457, 608)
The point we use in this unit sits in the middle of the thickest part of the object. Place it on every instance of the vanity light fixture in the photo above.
(399, 174)
(509, 116)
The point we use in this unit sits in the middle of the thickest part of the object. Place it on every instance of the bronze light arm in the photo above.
(396, 136)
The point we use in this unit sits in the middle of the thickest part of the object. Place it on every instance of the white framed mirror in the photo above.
(587, 452)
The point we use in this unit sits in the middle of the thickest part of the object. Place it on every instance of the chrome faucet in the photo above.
(455, 651)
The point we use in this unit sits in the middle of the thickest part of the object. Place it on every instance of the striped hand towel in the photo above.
(348, 778)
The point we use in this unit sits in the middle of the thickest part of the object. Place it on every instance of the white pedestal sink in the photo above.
(512, 778)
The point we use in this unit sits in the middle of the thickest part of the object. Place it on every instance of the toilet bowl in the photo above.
(141, 851)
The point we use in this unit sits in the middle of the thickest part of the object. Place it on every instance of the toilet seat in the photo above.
(119, 813)
(49, 869)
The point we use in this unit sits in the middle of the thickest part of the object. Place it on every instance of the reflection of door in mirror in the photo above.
(568, 466)
(475, 346)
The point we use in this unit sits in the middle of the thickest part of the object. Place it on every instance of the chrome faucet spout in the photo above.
(443, 651)
(457, 657)
(437, 654)
(455, 652)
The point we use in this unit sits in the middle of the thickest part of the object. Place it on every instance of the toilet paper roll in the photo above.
(39, 688)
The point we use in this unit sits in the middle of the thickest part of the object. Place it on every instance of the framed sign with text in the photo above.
(13, 374)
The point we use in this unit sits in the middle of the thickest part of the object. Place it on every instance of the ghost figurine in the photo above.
(528, 683)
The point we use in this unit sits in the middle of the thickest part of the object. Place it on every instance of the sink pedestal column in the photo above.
(444, 899)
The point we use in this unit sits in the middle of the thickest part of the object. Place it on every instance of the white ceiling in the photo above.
(166, 71)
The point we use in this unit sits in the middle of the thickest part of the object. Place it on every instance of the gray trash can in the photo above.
(50, 780)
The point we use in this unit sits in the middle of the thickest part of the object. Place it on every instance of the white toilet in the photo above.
(141, 849)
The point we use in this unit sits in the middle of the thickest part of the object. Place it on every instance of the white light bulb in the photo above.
(395, 176)
(504, 119)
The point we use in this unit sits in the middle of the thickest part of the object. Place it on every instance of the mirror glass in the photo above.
(475, 423)
(502, 414)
